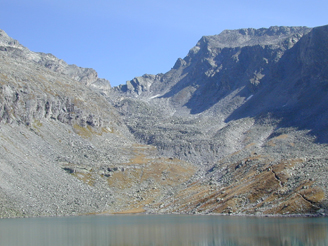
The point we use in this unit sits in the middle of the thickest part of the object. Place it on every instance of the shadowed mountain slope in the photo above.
(296, 88)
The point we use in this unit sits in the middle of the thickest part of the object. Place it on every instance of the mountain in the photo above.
(236, 127)
(62, 143)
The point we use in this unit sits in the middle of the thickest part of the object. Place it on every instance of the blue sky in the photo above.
(124, 39)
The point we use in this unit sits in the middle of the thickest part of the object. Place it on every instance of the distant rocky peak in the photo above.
(250, 37)
(139, 85)
(6, 41)
(275, 36)
(179, 63)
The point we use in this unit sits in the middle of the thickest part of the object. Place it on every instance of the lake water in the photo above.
(163, 230)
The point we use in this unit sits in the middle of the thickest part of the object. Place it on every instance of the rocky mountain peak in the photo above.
(251, 37)
(249, 53)
(88, 76)
(6, 41)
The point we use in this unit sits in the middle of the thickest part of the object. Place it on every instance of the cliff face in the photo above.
(237, 126)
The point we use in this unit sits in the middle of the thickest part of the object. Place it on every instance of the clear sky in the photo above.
(123, 39)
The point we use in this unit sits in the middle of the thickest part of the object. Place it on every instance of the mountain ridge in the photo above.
(87, 76)
(214, 62)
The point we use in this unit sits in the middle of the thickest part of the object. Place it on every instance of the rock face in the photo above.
(238, 127)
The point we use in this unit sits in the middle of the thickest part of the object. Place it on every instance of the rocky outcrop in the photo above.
(33, 98)
(139, 85)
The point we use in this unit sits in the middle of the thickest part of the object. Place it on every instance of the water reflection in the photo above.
(163, 230)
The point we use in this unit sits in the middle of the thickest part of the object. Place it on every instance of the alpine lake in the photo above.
(164, 230)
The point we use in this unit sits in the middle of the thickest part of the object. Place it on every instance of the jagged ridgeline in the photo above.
(238, 126)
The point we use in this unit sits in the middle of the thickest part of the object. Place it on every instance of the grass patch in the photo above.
(82, 131)
(88, 132)
(85, 178)
(37, 124)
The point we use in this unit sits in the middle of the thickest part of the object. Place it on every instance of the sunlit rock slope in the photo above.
(64, 150)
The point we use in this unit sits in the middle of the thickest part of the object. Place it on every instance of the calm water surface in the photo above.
(163, 230)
